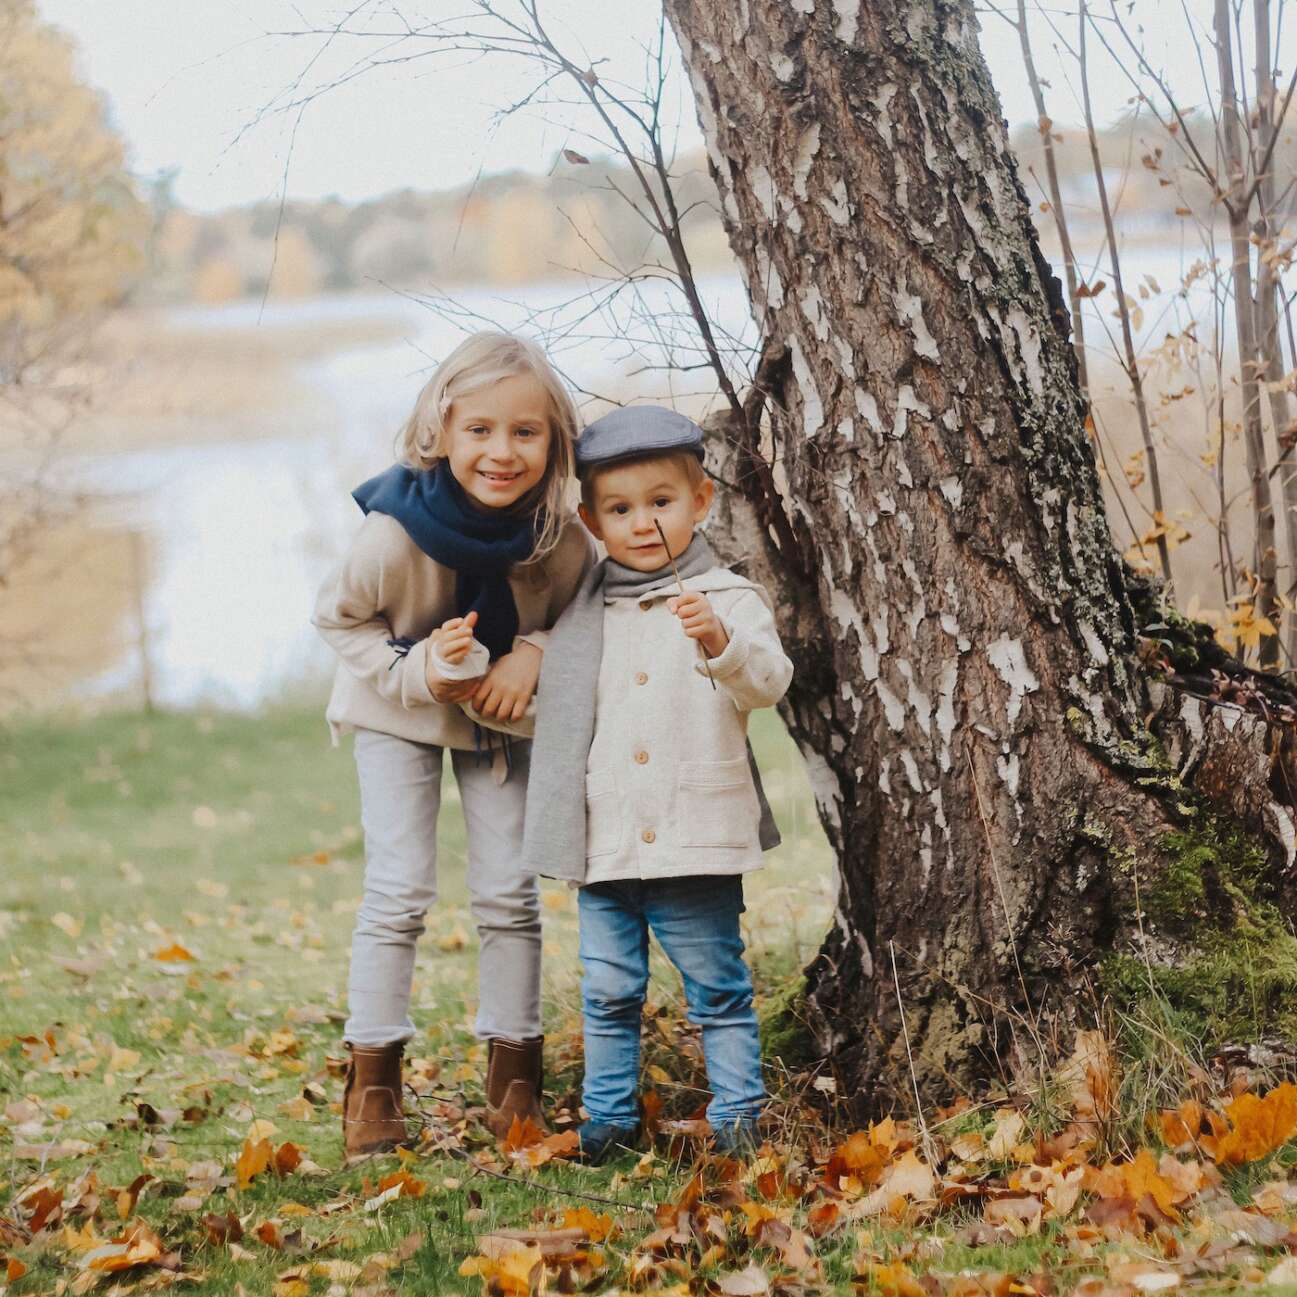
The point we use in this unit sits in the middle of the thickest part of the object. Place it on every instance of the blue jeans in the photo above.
(696, 922)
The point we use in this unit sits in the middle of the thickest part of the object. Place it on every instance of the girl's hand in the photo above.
(699, 621)
(452, 641)
(455, 637)
(508, 687)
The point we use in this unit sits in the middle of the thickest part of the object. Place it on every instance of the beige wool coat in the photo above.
(387, 588)
(668, 788)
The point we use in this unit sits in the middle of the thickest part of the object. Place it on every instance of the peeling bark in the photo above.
(968, 696)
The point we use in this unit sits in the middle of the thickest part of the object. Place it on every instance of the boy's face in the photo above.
(630, 498)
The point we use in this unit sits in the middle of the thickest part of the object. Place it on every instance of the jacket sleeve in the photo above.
(349, 616)
(752, 668)
(577, 558)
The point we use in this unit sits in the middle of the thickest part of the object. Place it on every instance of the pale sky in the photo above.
(184, 78)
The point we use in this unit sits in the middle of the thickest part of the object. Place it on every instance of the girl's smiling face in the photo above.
(497, 440)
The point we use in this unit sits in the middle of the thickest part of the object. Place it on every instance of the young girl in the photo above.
(467, 539)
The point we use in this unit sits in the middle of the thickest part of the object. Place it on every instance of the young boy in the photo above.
(643, 702)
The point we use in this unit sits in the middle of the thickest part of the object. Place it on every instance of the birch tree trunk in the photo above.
(968, 697)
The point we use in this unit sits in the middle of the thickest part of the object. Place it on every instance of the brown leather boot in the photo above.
(372, 1118)
(514, 1072)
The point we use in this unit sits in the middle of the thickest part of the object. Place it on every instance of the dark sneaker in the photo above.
(740, 1138)
(598, 1139)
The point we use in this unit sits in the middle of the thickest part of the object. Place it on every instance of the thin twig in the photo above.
(680, 585)
(929, 1148)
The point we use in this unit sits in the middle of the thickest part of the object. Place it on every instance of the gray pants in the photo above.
(400, 795)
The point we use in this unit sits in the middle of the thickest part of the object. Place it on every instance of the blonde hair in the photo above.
(480, 360)
(685, 460)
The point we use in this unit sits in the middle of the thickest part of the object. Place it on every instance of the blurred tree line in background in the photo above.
(514, 227)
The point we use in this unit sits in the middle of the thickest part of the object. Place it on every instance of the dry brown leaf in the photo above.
(1020, 1216)
(222, 1229)
(752, 1281)
(288, 1157)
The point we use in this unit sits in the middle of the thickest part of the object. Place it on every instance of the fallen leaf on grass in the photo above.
(563, 1144)
(1020, 1216)
(55, 1151)
(1284, 1273)
(222, 1229)
(252, 1161)
(259, 1155)
(893, 1280)
(400, 1184)
(45, 1203)
(554, 1244)
(288, 1157)
(516, 1274)
(907, 1177)
(749, 1282)
(14, 1269)
(174, 953)
(1258, 1126)
(138, 1246)
(1136, 1178)
(66, 924)
(596, 1227)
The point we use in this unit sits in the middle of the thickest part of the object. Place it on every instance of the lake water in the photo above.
(242, 531)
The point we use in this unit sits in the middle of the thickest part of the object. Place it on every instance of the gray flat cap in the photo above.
(636, 430)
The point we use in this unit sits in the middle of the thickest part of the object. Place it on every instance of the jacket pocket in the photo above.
(717, 804)
(602, 814)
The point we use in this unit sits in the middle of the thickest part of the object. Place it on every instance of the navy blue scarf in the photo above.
(479, 545)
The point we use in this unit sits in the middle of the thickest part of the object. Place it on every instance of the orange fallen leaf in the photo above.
(14, 1270)
(174, 953)
(1133, 1180)
(896, 1280)
(1258, 1125)
(823, 1218)
(523, 1132)
(253, 1160)
(410, 1186)
(564, 1144)
(516, 1273)
(268, 1233)
(597, 1228)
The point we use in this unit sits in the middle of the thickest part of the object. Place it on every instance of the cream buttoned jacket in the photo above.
(388, 594)
(669, 791)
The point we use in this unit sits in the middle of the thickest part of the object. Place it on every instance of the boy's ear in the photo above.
(590, 524)
(703, 497)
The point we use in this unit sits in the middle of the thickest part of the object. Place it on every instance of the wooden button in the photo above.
(648, 836)
(641, 758)
(646, 605)
(641, 678)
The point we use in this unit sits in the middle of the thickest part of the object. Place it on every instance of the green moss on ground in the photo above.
(1235, 973)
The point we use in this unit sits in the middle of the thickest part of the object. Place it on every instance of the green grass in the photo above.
(237, 838)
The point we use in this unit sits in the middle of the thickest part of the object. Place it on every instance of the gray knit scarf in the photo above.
(554, 837)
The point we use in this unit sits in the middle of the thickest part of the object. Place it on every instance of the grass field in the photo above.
(176, 898)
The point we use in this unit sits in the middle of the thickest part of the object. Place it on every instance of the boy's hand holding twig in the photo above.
(699, 621)
(507, 688)
(452, 640)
